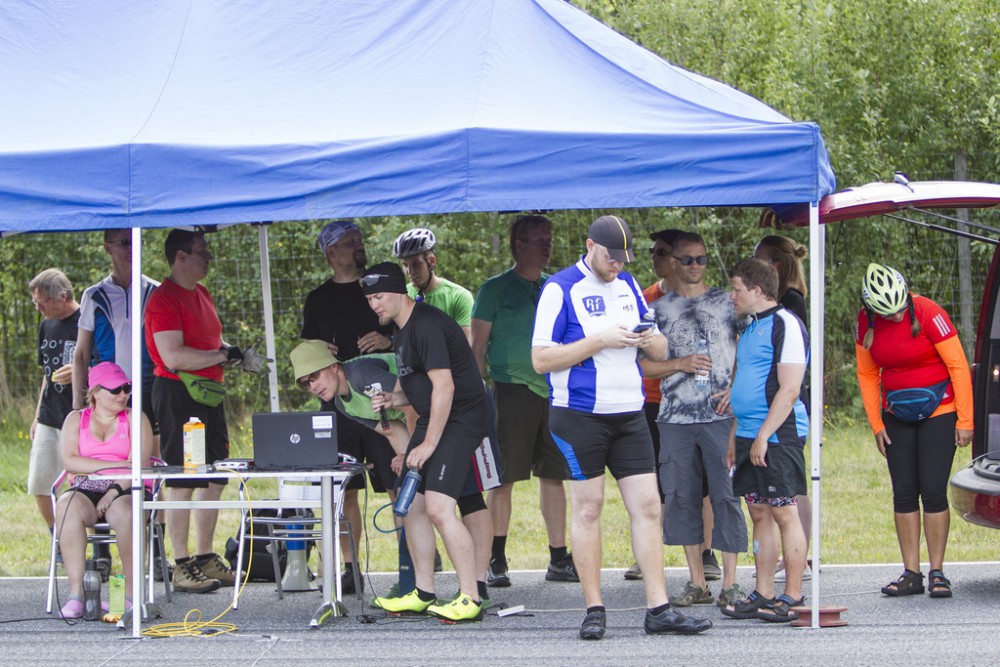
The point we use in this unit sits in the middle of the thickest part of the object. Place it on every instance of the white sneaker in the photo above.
(779, 575)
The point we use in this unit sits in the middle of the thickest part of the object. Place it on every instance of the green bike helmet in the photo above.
(883, 289)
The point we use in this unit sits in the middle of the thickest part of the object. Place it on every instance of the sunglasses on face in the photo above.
(701, 260)
(127, 388)
(308, 380)
(659, 252)
(371, 279)
(125, 243)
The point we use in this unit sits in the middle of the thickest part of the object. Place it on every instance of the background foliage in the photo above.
(893, 86)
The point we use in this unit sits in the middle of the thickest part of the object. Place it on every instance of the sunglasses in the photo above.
(309, 379)
(371, 279)
(659, 252)
(127, 388)
(700, 260)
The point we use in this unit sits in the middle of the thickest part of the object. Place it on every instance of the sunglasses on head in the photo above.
(371, 279)
(127, 388)
(701, 260)
(659, 252)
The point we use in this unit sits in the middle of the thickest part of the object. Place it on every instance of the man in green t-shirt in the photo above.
(503, 318)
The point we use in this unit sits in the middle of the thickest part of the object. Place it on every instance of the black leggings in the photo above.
(920, 459)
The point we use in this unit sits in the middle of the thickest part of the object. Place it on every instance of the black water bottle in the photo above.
(92, 593)
(406, 493)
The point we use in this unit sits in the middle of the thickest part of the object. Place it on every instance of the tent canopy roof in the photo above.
(170, 112)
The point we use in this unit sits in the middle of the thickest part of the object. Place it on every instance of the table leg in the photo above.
(330, 522)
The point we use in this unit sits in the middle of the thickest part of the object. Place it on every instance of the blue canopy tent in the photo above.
(195, 112)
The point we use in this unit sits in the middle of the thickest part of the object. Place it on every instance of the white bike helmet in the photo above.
(413, 242)
(883, 289)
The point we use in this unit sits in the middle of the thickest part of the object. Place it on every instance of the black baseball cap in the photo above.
(613, 233)
(668, 236)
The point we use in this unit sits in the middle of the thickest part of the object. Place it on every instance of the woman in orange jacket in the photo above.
(917, 391)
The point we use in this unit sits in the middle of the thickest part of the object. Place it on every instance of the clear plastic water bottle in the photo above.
(92, 593)
(702, 377)
(406, 493)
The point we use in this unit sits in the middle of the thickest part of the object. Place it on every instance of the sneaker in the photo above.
(730, 596)
(633, 573)
(485, 603)
(214, 568)
(594, 624)
(347, 583)
(710, 565)
(669, 620)
(462, 609)
(562, 570)
(693, 595)
(407, 604)
(188, 578)
(496, 576)
(779, 575)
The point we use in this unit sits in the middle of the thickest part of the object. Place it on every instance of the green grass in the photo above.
(856, 518)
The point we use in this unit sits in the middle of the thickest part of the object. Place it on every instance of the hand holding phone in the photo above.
(642, 327)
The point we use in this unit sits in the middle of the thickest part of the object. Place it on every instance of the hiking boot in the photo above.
(693, 595)
(463, 609)
(594, 624)
(669, 620)
(710, 565)
(562, 570)
(158, 569)
(633, 573)
(347, 583)
(188, 578)
(407, 604)
(496, 576)
(214, 568)
(730, 596)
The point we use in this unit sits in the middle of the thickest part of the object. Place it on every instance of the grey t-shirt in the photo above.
(685, 321)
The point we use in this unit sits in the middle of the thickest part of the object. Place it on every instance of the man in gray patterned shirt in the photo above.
(694, 419)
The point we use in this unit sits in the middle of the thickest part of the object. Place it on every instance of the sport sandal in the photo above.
(908, 583)
(748, 607)
(938, 585)
(780, 611)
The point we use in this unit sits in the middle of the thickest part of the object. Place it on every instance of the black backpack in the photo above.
(261, 566)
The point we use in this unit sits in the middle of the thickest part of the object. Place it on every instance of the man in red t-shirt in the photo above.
(183, 333)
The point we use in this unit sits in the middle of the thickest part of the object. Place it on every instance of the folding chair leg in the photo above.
(52, 573)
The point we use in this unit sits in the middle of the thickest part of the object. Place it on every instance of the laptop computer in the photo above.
(294, 440)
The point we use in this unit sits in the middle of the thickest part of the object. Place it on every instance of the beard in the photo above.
(360, 259)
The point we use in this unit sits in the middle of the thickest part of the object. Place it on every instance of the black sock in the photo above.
(659, 610)
(499, 548)
(556, 554)
(599, 607)
(706, 552)
(181, 561)
(201, 559)
(484, 593)
(425, 596)
(348, 567)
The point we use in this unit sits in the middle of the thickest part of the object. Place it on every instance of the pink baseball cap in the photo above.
(106, 374)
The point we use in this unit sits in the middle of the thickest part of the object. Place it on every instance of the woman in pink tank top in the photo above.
(93, 440)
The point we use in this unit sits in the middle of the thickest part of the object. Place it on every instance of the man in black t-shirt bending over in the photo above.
(439, 377)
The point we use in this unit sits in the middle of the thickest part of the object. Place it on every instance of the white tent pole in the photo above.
(817, 289)
(265, 281)
(138, 582)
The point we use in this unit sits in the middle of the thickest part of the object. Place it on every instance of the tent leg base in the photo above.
(829, 617)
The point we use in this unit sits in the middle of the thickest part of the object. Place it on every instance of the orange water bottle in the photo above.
(194, 444)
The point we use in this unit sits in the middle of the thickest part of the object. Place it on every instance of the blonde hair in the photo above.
(54, 283)
(787, 255)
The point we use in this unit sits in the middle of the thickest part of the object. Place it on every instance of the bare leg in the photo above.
(456, 538)
(352, 512)
(793, 546)
(585, 533)
(480, 527)
(119, 515)
(499, 502)
(205, 520)
(936, 525)
(45, 509)
(908, 535)
(179, 522)
(696, 569)
(75, 513)
(728, 569)
(708, 519)
(642, 503)
(805, 517)
(766, 542)
(421, 543)
(552, 500)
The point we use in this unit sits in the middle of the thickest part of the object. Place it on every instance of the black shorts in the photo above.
(590, 443)
(173, 407)
(526, 445)
(95, 496)
(147, 409)
(366, 446)
(447, 470)
(784, 476)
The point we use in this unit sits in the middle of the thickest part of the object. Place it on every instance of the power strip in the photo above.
(511, 611)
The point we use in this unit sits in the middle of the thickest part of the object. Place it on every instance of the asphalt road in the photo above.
(881, 631)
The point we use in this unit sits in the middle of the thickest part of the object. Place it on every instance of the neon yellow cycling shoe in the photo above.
(406, 604)
(462, 609)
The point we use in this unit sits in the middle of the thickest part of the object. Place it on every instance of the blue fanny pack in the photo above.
(914, 405)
